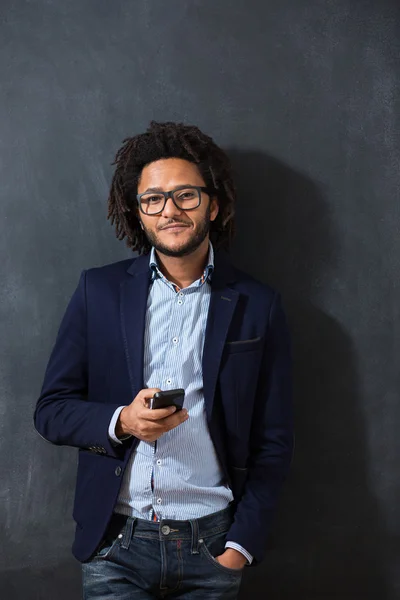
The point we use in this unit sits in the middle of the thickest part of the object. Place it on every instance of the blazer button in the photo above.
(118, 471)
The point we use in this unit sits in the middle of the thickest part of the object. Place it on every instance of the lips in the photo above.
(175, 227)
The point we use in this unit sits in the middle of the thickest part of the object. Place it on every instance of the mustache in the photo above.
(175, 223)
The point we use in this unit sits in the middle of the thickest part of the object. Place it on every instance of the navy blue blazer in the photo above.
(97, 365)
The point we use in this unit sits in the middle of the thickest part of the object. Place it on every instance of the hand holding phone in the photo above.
(137, 419)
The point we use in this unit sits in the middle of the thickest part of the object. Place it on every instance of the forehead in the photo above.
(168, 173)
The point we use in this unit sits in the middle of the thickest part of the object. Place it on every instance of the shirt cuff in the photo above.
(240, 549)
(111, 427)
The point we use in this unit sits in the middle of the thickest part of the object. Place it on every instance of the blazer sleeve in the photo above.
(271, 441)
(64, 415)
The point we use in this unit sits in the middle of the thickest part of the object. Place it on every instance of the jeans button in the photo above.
(118, 471)
(165, 529)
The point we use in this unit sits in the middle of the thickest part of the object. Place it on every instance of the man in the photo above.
(171, 503)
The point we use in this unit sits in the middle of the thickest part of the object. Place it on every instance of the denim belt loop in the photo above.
(195, 536)
(127, 535)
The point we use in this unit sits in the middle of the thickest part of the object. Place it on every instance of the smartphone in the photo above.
(168, 398)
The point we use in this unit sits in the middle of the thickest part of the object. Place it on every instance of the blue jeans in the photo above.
(144, 559)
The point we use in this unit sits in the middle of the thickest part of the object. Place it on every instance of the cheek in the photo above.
(148, 225)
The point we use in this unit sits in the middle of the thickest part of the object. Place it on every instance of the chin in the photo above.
(175, 251)
(178, 248)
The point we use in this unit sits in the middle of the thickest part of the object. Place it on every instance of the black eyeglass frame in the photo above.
(199, 188)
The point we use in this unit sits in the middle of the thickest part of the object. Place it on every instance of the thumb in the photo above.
(148, 393)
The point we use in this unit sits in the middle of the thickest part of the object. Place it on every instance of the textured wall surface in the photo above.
(305, 97)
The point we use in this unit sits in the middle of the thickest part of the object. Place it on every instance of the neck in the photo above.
(185, 269)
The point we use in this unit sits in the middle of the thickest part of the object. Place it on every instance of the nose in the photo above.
(170, 210)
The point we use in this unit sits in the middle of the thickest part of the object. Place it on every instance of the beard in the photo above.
(187, 247)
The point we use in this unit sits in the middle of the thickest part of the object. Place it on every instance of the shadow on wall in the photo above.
(328, 540)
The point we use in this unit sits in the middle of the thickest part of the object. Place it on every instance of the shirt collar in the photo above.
(207, 273)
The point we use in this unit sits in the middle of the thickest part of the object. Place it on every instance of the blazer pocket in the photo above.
(243, 345)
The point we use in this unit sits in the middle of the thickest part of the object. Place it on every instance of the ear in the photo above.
(214, 208)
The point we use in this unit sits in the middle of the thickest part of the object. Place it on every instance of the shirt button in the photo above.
(158, 500)
(180, 302)
(181, 293)
(159, 461)
(175, 340)
(169, 381)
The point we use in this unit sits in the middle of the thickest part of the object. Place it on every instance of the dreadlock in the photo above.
(169, 140)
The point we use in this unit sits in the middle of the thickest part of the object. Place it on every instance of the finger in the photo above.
(157, 414)
(157, 428)
(144, 396)
(176, 419)
(148, 393)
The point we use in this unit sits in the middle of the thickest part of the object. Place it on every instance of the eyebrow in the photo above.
(178, 187)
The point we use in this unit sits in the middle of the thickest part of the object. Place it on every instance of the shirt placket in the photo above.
(169, 379)
(180, 298)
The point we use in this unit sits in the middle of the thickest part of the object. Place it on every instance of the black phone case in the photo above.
(167, 398)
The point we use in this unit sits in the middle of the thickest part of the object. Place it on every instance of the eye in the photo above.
(186, 195)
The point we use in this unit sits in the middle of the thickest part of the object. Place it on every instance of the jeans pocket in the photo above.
(214, 545)
(106, 549)
(109, 545)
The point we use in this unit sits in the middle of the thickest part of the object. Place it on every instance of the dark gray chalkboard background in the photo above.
(304, 95)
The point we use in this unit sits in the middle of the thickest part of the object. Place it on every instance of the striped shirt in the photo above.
(179, 475)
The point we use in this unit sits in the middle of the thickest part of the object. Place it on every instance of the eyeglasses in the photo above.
(187, 197)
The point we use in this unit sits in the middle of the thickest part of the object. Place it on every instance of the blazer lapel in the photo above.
(133, 303)
(222, 307)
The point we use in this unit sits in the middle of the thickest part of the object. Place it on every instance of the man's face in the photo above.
(168, 174)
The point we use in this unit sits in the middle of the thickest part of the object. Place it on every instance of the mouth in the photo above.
(174, 227)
